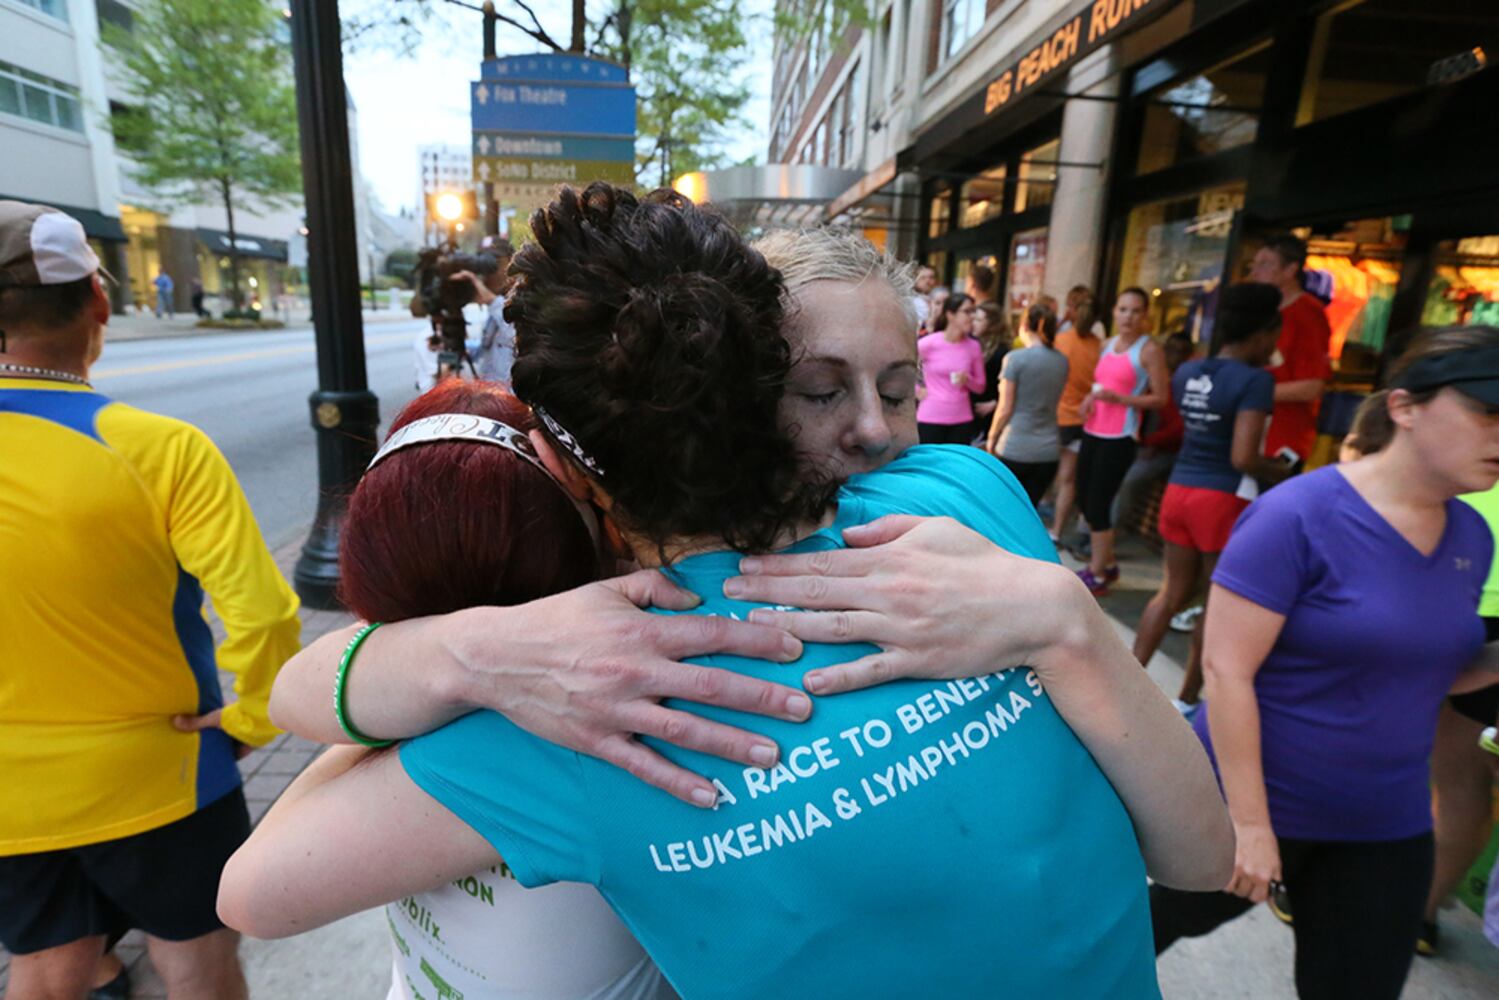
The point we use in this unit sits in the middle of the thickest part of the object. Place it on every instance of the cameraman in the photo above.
(496, 351)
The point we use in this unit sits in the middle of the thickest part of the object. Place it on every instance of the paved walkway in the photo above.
(1250, 958)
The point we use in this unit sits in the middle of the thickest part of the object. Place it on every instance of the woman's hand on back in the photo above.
(589, 669)
(938, 598)
(943, 602)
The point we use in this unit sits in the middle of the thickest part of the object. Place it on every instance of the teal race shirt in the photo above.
(919, 839)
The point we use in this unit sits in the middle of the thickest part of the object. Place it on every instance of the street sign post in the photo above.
(544, 120)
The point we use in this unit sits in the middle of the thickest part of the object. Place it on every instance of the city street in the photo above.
(249, 393)
(1216, 281)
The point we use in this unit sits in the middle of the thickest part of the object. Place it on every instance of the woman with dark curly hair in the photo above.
(650, 350)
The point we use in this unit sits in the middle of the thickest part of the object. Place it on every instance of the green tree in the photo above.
(686, 60)
(212, 107)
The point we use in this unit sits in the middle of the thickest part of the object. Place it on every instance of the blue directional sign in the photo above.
(550, 146)
(562, 94)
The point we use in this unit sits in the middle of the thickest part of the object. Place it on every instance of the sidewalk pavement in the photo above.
(1251, 958)
(146, 326)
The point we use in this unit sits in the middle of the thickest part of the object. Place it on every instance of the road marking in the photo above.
(226, 359)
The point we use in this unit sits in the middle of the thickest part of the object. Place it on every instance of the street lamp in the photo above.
(345, 414)
(450, 209)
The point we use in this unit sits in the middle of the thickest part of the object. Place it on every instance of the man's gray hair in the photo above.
(833, 254)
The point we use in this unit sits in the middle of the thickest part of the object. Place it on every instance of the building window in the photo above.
(115, 13)
(960, 21)
(1038, 176)
(1372, 50)
(982, 198)
(56, 8)
(939, 211)
(39, 98)
(1027, 272)
(1217, 110)
(1177, 251)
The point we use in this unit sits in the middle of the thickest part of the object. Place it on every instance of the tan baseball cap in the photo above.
(41, 246)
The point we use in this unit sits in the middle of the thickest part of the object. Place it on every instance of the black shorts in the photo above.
(947, 433)
(1071, 437)
(1482, 706)
(1034, 477)
(1102, 464)
(163, 881)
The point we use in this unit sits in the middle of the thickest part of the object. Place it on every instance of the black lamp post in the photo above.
(345, 414)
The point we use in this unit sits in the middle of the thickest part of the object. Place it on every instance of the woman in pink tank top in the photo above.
(1130, 378)
(952, 372)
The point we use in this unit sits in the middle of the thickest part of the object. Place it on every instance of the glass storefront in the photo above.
(1363, 260)
(1464, 285)
(937, 261)
(939, 211)
(1037, 178)
(1023, 283)
(966, 264)
(259, 281)
(142, 254)
(982, 198)
(1216, 110)
(1177, 251)
(1352, 64)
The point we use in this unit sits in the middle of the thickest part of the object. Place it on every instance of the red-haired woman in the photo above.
(443, 520)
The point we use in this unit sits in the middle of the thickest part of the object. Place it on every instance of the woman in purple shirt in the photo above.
(1343, 611)
(952, 371)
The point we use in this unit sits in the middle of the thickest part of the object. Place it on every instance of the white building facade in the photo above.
(56, 148)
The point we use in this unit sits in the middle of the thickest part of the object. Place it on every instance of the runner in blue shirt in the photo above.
(1225, 401)
(782, 888)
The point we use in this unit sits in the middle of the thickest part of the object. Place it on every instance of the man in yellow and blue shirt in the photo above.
(120, 798)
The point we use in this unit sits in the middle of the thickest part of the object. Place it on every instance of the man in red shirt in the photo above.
(1301, 367)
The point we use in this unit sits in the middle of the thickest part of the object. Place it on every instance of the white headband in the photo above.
(481, 430)
(459, 427)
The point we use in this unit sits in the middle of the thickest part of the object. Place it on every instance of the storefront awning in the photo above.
(873, 202)
(1039, 66)
(95, 223)
(768, 197)
(217, 241)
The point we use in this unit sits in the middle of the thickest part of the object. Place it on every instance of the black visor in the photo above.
(1472, 372)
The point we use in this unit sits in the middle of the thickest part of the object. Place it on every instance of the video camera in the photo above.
(443, 298)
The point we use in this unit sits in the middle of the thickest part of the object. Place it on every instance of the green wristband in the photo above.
(339, 711)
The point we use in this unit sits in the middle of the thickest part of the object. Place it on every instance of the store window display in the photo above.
(1177, 250)
(1464, 287)
(939, 211)
(1037, 177)
(1216, 110)
(982, 198)
(1026, 274)
(1362, 262)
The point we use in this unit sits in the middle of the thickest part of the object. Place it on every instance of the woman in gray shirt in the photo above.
(1023, 434)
